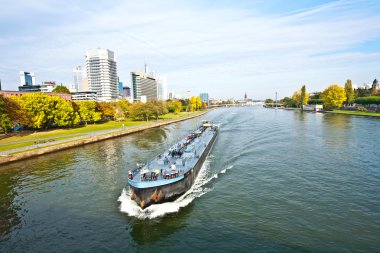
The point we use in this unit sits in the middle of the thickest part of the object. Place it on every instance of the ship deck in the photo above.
(172, 165)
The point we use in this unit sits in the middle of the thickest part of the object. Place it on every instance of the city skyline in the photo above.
(224, 49)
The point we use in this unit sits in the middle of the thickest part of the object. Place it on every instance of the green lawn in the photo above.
(372, 114)
(181, 114)
(28, 138)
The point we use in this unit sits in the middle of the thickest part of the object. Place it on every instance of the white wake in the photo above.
(130, 207)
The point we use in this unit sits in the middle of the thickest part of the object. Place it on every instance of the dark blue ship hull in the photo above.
(169, 192)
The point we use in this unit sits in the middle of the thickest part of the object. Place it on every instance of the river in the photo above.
(275, 181)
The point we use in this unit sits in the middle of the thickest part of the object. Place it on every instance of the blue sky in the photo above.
(225, 48)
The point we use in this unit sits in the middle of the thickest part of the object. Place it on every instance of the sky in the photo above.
(224, 48)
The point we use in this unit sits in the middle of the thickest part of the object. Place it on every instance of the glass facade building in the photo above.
(204, 98)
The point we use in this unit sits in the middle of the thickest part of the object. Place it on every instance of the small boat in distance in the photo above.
(172, 173)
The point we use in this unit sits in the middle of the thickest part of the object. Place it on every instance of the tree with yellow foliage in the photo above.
(334, 96)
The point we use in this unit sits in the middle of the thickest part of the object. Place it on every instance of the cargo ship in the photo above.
(170, 174)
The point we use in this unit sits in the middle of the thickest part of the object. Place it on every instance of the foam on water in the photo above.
(130, 207)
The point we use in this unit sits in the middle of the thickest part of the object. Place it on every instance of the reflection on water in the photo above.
(17, 183)
(152, 137)
(150, 231)
(340, 122)
(9, 217)
(300, 116)
(337, 130)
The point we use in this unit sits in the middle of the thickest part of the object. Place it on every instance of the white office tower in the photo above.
(102, 73)
(162, 88)
(79, 79)
(143, 85)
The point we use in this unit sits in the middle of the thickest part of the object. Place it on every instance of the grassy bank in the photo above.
(371, 114)
(28, 138)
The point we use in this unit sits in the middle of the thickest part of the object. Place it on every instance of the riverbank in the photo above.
(58, 144)
(357, 113)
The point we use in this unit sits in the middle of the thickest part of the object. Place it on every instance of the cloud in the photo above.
(198, 47)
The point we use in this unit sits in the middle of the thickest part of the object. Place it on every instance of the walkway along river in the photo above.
(276, 180)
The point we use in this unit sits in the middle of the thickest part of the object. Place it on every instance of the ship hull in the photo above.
(169, 192)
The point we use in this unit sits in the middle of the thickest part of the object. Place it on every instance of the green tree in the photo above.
(158, 108)
(349, 92)
(87, 111)
(46, 111)
(121, 109)
(141, 111)
(304, 97)
(375, 88)
(170, 106)
(288, 102)
(334, 96)
(299, 98)
(269, 101)
(65, 115)
(61, 89)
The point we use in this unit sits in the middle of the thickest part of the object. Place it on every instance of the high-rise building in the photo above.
(144, 84)
(126, 92)
(204, 98)
(79, 78)
(27, 78)
(120, 87)
(162, 88)
(102, 73)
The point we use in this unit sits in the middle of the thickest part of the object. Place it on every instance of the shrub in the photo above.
(374, 100)
(315, 101)
(362, 108)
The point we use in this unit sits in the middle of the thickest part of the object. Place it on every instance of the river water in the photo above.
(276, 180)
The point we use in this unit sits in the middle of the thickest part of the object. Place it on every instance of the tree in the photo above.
(300, 97)
(349, 92)
(5, 122)
(121, 109)
(87, 111)
(46, 111)
(304, 98)
(106, 109)
(17, 115)
(64, 114)
(375, 87)
(193, 103)
(334, 96)
(198, 103)
(288, 102)
(170, 106)
(204, 106)
(362, 92)
(61, 89)
(158, 108)
(177, 107)
(269, 101)
(141, 111)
